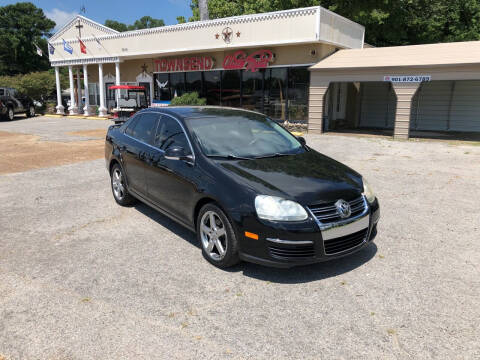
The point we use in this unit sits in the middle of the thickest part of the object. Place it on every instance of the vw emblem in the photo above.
(343, 208)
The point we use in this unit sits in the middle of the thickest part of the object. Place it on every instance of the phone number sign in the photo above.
(407, 78)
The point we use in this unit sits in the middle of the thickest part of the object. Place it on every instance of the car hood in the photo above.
(308, 178)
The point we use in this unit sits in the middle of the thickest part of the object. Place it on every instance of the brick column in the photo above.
(405, 93)
(316, 103)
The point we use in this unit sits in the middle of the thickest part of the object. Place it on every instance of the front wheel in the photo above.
(31, 111)
(217, 237)
(119, 188)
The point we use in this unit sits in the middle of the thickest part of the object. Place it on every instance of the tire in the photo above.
(10, 114)
(219, 243)
(31, 111)
(119, 187)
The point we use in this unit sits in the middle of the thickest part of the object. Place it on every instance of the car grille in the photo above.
(344, 243)
(298, 252)
(327, 213)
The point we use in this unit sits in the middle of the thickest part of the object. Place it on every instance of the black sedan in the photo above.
(250, 189)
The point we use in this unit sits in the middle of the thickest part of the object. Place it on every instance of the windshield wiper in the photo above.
(272, 155)
(229, 157)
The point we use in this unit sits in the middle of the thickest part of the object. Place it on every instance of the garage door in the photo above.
(465, 109)
(447, 106)
(378, 105)
(430, 106)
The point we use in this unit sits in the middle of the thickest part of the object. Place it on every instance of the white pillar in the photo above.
(86, 108)
(60, 108)
(79, 91)
(117, 82)
(73, 106)
(102, 110)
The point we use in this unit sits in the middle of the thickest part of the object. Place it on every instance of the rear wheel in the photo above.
(119, 188)
(217, 237)
(31, 111)
(10, 114)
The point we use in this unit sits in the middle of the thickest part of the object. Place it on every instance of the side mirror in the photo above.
(177, 153)
(302, 140)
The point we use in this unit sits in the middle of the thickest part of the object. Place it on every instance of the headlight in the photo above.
(278, 209)
(368, 192)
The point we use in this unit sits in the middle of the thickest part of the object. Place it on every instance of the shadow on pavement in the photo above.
(295, 275)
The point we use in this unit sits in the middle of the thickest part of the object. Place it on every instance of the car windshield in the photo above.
(246, 135)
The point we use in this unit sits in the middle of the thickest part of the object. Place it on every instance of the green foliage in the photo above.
(116, 25)
(181, 19)
(21, 25)
(387, 22)
(188, 99)
(37, 85)
(145, 22)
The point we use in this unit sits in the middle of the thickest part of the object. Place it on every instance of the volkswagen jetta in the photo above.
(249, 188)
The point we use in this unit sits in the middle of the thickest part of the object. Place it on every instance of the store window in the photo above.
(212, 86)
(93, 96)
(162, 87)
(275, 93)
(193, 82)
(177, 84)
(252, 90)
(231, 87)
(298, 84)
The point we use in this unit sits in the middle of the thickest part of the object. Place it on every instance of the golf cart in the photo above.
(130, 102)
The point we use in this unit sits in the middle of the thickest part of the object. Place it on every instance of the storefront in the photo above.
(258, 62)
(246, 79)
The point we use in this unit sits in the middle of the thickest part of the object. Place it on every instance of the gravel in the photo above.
(82, 278)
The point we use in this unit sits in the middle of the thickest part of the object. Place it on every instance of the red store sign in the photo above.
(190, 63)
(239, 60)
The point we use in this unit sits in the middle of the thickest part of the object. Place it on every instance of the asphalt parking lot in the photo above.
(82, 278)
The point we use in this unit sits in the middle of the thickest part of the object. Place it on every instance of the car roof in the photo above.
(192, 112)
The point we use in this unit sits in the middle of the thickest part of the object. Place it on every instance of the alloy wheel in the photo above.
(213, 235)
(32, 111)
(11, 114)
(117, 184)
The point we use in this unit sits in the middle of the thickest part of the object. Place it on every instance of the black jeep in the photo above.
(11, 103)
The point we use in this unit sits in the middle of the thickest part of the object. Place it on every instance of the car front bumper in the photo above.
(308, 242)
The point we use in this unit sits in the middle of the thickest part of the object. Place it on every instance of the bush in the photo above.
(37, 85)
(188, 99)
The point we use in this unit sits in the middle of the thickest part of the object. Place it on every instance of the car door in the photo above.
(171, 183)
(18, 106)
(139, 136)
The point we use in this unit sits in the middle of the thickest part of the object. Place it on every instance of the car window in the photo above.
(170, 133)
(2, 92)
(131, 124)
(145, 127)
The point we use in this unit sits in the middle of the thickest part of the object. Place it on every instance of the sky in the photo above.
(126, 11)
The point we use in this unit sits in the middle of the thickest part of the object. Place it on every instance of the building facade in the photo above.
(257, 62)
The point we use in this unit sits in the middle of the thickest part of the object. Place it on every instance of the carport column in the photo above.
(79, 91)
(73, 107)
(60, 108)
(316, 117)
(86, 108)
(117, 82)
(102, 110)
(405, 93)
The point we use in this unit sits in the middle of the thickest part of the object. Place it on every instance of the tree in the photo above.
(21, 26)
(116, 25)
(181, 20)
(147, 22)
(387, 22)
(144, 22)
